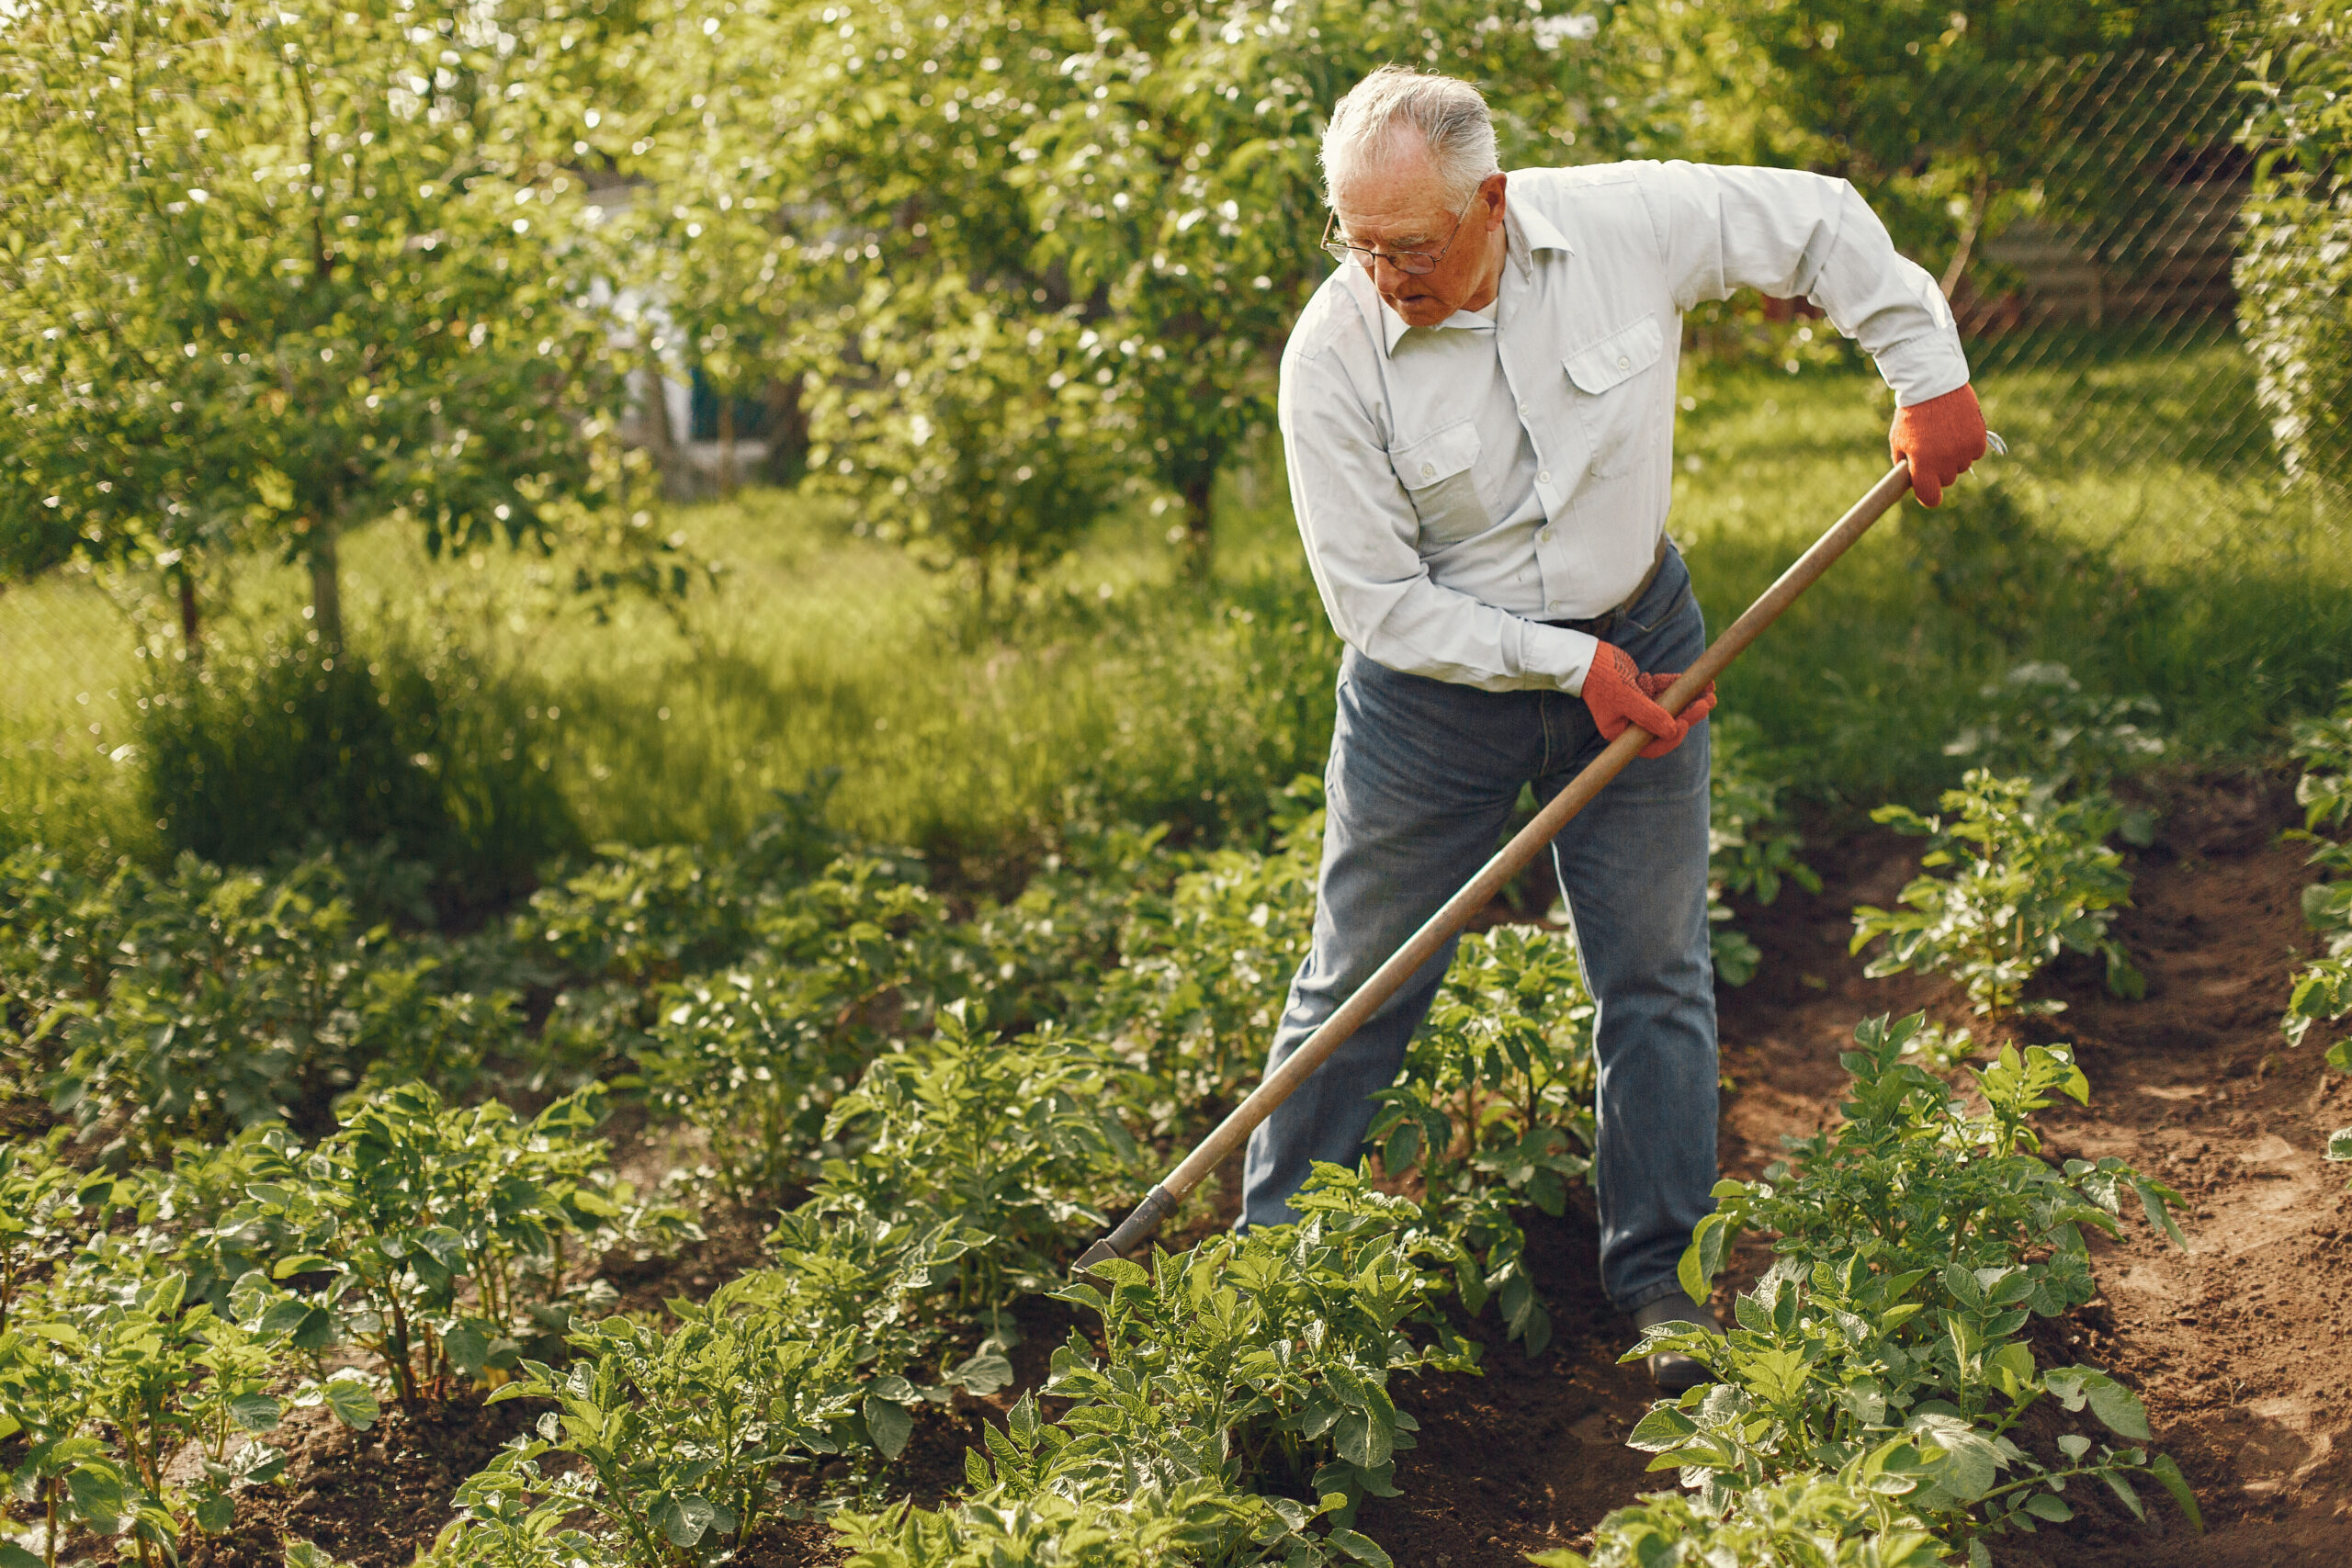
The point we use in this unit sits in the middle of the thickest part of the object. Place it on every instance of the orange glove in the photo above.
(1941, 437)
(1619, 694)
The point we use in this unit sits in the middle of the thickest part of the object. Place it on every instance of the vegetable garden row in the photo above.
(285, 1171)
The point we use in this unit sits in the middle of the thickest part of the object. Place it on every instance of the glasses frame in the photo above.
(1412, 264)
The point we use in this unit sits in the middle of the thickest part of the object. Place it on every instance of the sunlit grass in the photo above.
(1112, 687)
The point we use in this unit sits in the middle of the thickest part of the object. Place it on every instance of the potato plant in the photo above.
(446, 1233)
(1201, 983)
(1855, 1519)
(2031, 877)
(1259, 1357)
(1751, 848)
(1495, 1109)
(1912, 1179)
(681, 1433)
(756, 1055)
(1015, 1139)
(1916, 1239)
(209, 1000)
(2323, 991)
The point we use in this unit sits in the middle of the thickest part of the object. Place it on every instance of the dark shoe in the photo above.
(1673, 1372)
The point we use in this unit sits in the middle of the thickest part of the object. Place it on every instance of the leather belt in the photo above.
(1606, 621)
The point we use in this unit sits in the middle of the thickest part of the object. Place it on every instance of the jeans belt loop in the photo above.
(1604, 623)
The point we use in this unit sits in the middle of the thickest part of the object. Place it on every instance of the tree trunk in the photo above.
(1199, 563)
(1957, 266)
(787, 428)
(654, 423)
(326, 584)
(726, 446)
(191, 626)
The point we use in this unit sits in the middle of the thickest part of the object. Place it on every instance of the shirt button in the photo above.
(1427, 468)
(1522, 410)
(1544, 477)
(1544, 536)
(1622, 362)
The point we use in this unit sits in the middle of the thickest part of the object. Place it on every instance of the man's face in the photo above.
(1396, 203)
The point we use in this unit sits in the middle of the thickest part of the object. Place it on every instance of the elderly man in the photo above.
(1477, 408)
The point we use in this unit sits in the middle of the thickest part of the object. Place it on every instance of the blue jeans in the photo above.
(1423, 778)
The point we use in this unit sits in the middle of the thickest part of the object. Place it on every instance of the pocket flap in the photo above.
(1438, 456)
(1624, 354)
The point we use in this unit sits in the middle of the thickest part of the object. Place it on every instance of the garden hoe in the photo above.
(1442, 927)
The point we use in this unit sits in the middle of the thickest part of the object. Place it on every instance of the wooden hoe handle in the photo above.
(1480, 890)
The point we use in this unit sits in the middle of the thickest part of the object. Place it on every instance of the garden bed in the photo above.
(2234, 1344)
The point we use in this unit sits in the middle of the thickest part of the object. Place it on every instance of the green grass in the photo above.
(2125, 538)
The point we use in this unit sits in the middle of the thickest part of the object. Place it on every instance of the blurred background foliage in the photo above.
(348, 494)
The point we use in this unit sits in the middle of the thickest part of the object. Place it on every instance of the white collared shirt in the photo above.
(1457, 485)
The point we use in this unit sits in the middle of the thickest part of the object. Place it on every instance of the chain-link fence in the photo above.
(2108, 294)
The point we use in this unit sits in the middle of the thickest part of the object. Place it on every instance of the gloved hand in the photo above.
(1941, 437)
(1619, 694)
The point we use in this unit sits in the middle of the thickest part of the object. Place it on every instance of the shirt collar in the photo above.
(1525, 232)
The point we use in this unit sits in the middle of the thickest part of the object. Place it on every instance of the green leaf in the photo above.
(2118, 1407)
(1362, 1548)
(468, 1347)
(254, 1412)
(2122, 1488)
(15, 1556)
(888, 1425)
(301, 1553)
(684, 1520)
(353, 1401)
(2042, 1505)
(2169, 1477)
(215, 1512)
(982, 1372)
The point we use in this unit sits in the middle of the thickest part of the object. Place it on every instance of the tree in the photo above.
(983, 432)
(1937, 112)
(1180, 180)
(292, 267)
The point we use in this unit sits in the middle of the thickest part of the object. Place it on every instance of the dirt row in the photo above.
(2236, 1344)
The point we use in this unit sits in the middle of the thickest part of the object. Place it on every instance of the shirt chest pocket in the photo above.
(1438, 473)
(1612, 394)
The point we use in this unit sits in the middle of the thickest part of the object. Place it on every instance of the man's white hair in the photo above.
(1450, 116)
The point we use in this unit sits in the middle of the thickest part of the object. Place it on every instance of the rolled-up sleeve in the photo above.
(1361, 535)
(1796, 234)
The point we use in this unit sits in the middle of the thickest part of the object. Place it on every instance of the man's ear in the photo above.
(1490, 191)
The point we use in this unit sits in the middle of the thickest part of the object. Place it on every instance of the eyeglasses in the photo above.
(1413, 264)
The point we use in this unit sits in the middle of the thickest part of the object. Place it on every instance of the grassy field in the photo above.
(827, 660)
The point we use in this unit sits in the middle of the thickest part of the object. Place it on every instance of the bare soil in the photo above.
(2236, 1344)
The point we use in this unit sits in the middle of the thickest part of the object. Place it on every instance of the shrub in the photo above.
(250, 755)
(2294, 266)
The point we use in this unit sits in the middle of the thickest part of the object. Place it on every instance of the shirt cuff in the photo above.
(1559, 655)
(1923, 367)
